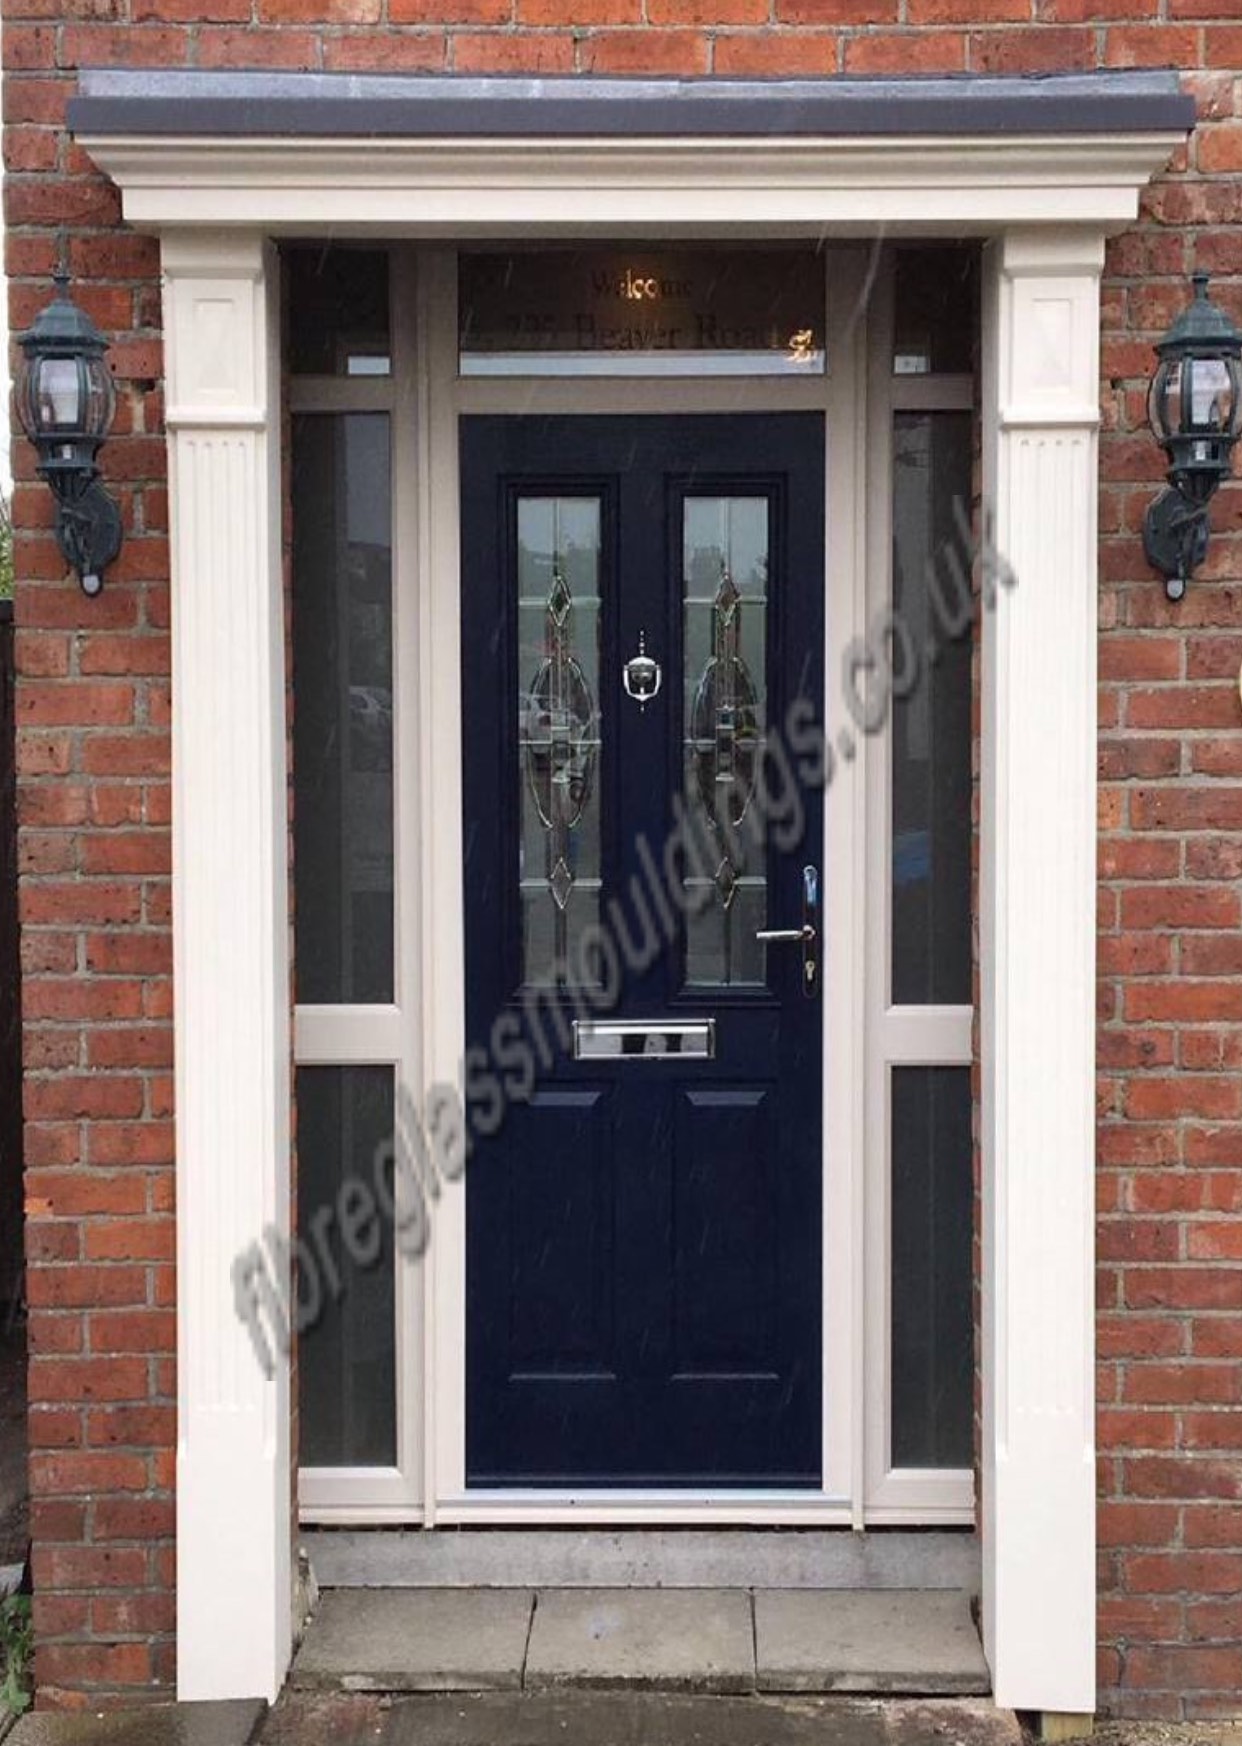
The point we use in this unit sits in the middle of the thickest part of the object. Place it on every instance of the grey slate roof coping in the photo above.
(168, 102)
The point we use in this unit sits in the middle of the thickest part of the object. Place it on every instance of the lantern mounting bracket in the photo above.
(1175, 539)
(88, 530)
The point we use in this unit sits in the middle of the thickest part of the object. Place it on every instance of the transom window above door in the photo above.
(642, 312)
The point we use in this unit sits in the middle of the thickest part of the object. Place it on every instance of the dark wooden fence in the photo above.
(10, 991)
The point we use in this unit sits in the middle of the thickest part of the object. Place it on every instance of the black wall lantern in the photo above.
(1195, 409)
(65, 400)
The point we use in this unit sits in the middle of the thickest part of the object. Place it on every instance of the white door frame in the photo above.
(836, 395)
(1048, 204)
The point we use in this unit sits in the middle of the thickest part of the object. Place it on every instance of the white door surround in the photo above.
(1046, 204)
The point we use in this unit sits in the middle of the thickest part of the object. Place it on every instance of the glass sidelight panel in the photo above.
(931, 774)
(932, 1232)
(559, 729)
(347, 1355)
(342, 710)
(725, 547)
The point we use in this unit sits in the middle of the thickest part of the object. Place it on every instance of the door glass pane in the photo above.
(931, 779)
(347, 1355)
(933, 1207)
(342, 708)
(725, 594)
(559, 729)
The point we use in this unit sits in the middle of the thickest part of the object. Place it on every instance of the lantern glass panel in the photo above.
(100, 398)
(1208, 390)
(59, 394)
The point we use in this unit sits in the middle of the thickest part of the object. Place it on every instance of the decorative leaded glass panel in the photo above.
(725, 580)
(558, 580)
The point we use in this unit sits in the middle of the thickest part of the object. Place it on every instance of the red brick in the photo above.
(139, 1519)
(1182, 906)
(74, 1193)
(775, 54)
(645, 51)
(86, 1287)
(133, 1331)
(1133, 1524)
(1210, 1002)
(905, 51)
(491, 52)
(1182, 1384)
(423, 51)
(131, 1240)
(86, 1472)
(145, 1613)
(836, 12)
(86, 1665)
(1150, 45)
(1184, 706)
(1219, 148)
(80, 1380)
(1085, 11)
(1182, 1666)
(1197, 1573)
(1054, 49)
(142, 1427)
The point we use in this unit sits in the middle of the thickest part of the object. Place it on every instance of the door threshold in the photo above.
(623, 1557)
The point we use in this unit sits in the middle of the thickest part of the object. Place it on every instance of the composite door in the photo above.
(642, 632)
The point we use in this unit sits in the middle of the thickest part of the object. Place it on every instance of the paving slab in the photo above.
(416, 1639)
(907, 1641)
(634, 1718)
(677, 1639)
(223, 1724)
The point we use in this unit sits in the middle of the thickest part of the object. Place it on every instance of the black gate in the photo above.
(10, 988)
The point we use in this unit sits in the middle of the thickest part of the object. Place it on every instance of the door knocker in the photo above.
(641, 674)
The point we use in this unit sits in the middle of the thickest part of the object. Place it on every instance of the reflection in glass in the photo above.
(338, 311)
(626, 311)
(558, 731)
(933, 1362)
(930, 738)
(342, 710)
(936, 309)
(725, 568)
(347, 1355)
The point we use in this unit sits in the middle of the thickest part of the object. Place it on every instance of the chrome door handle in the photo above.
(807, 936)
(803, 936)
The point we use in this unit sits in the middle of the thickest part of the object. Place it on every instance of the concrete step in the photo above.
(671, 1640)
(643, 1558)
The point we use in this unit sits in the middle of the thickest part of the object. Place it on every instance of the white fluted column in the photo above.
(1041, 388)
(230, 920)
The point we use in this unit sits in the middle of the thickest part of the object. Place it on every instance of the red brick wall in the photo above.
(94, 709)
(1170, 1038)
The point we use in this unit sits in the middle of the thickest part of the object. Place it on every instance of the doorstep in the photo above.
(672, 1640)
(636, 1718)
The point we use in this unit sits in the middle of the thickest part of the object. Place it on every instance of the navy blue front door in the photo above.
(642, 634)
